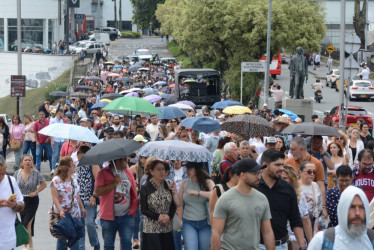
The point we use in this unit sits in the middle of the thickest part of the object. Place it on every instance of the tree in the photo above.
(359, 21)
(144, 13)
(115, 13)
(120, 15)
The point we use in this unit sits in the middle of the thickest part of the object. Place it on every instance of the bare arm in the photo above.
(268, 235)
(308, 228)
(55, 200)
(321, 185)
(330, 165)
(299, 234)
(205, 194)
(212, 203)
(103, 190)
(217, 229)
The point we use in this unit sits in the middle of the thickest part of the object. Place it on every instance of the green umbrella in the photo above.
(131, 105)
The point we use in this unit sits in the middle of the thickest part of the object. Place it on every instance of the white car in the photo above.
(89, 48)
(144, 54)
(331, 78)
(361, 89)
(7, 120)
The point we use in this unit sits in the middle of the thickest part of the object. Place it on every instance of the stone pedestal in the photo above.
(302, 107)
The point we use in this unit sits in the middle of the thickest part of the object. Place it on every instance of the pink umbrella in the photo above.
(152, 98)
(189, 103)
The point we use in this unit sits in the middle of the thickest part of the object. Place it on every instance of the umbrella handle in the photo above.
(115, 166)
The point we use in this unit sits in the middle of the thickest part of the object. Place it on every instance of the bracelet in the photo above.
(93, 195)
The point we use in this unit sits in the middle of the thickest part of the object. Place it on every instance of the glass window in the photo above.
(1, 34)
(31, 32)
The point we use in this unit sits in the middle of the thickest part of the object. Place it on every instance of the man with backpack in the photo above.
(351, 232)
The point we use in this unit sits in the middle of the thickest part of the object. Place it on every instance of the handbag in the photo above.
(177, 223)
(22, 234)
(54, 218)
(70, 228)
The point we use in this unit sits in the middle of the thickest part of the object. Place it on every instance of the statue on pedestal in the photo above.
(298, 73)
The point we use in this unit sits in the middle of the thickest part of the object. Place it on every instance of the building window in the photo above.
(1, 34)
(31, 32)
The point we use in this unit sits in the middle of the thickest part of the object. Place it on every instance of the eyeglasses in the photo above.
(94, 113)
(339, 138)
(173, 121)
(310, 172)
(366, 164)
(344, 181)
(258, 173)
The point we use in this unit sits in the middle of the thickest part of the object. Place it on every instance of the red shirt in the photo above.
(225, 164)
(366, 183)
(37, 127)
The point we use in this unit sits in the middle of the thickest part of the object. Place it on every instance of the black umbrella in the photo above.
(124, 79)
(93, 78)
(79, 95)
(109, 150)
(83, 88)
(58, 93)
(138, 85)
(111, 96)
(311, 128)
(171, 100)
(162, 75)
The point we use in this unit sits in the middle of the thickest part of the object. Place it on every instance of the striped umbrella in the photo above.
(249, 126)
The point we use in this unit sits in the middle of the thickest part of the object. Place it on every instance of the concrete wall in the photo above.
(39, 69)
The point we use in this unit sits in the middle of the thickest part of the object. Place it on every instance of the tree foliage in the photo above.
(229, 32)
(144, 13)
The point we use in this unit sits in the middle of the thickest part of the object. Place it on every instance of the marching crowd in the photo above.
(279, 192)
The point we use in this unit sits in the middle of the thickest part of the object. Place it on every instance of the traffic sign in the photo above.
(352, 43)
(17, 85)
(351, 67)
(330, 49)
(253, 67)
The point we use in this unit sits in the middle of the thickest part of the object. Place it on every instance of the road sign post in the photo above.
(249, 67)
(17, 85)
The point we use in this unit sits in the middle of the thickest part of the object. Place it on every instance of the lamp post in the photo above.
(268, 40)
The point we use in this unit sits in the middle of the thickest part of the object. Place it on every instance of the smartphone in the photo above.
(12, 197)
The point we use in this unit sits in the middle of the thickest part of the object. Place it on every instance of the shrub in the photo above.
(54, 87)
(130, 34)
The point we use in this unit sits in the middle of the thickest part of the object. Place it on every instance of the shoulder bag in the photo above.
(15, 144)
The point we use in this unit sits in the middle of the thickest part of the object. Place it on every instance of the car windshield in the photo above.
(356, 112)
(143, 53)
(362, 84)
(336, 73)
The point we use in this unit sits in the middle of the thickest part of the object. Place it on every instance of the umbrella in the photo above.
(176, 150)
(172, 85)
(152, 98)
(237, 110)
(117, 66)
(143, 69)
(225, 104)
(130, 90)
(83, 88)
(181, 106)
(99, 105)
(132, 94)
(159, 75)
(311, 128)
(109, 63)
(163, 96)
(58, 93)
(134, 68)
(105, 100)
(170, 112)
(109, 150)
(124, 79)
(248, 126)
(92, 79)
(80, 95)
(112, 96)
(159, 83)
(139, 85)
(71, 132)
(189, 103)
(114, 75)
(202, 124)
(287, 112)
(130, 105)
(171, 100)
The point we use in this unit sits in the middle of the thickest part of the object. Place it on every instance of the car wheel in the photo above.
(112, 37)
(331, 86)
(327, 83)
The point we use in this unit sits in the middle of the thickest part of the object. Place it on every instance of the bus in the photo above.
(275, 65)
(201, 86)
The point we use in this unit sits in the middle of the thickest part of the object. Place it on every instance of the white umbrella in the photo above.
(71, 132)
(130, 90)
(176, 150)
(181, 106)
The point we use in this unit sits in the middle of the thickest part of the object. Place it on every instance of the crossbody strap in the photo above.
(11, 184)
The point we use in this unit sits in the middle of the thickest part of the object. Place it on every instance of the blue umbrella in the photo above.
(159, 83)
(163, 96)
(134, 68)
(287, 112)
(149, 90)
(118, 66)
(170, 112)
(99, 105)
(225, 104)
(202, 124)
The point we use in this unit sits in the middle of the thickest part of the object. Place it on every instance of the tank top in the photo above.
(194, 206)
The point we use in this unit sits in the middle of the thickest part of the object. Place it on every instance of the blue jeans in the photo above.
(30, 146)
(61, 245)
(17, 157)
(280, 247)
(177, 240)
(56, 154)
(135, 230)
(196, 235)
(39, 154)
(89, 221)
(121, 224)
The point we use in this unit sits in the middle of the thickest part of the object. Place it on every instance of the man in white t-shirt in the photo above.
(365, 73)
(8, 208)
(116, 123)
(152, 128)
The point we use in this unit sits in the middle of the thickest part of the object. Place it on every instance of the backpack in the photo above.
(329, 238)
(218, 176)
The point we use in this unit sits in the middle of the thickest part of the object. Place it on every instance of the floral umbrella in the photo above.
(249, 126)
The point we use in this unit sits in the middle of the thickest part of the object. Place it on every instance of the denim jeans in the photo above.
(61, 245)
(280, 247)
(177, 240)
(56, 154)
(196, 235)
(39, 154)
(135, 231)
(30, 146)
(89, 223)
(121, 224)
(17, 155)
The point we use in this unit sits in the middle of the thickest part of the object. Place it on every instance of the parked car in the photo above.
(113, 32)
(354, 113)
(144, 54)
(89, 48)
(331, 78)
(168, 60)
(361, 89)
(25, 43)
(100, 38)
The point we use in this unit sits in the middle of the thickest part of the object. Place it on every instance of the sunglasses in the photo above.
(310, 172)
(339, 138)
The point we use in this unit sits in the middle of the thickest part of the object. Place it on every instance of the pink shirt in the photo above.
(37, 127)
(278, 94)
(67, 149)
(17, 131)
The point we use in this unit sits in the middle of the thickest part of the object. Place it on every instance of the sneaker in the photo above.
(52, 172)
(135, 244)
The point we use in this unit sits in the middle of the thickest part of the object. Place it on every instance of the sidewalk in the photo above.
(319, 73)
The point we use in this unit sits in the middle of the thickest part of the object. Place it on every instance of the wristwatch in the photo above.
(93, 195)
(15, 207)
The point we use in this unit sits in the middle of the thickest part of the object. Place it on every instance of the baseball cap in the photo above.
(140, 138)
(68, 102)
(247, 165)
(270, 140)
(83, 119)
(109, 130)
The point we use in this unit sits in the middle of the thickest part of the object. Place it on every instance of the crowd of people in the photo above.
(267, 192)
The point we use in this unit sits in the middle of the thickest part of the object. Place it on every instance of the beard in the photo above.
(356, 231)
(116, 123)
